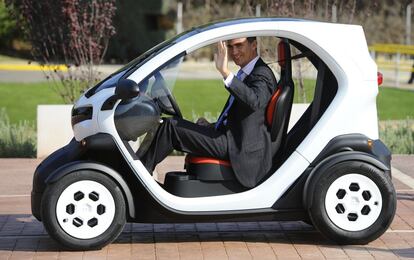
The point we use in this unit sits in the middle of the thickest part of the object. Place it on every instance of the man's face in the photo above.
(241, 51)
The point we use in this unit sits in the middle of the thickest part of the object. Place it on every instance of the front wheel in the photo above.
(353, 202)
(83, 210)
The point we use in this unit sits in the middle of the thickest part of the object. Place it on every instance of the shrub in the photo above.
(7, 27)
(207, 115)
(16, 140)
(398, 136)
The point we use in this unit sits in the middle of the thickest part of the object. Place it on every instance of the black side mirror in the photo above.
(126, 89)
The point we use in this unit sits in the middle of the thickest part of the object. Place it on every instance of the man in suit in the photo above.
(240, 134)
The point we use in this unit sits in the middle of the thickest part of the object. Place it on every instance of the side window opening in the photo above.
(319, 89)
(198, 87)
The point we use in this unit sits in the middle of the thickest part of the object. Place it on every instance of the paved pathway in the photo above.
(23, 237)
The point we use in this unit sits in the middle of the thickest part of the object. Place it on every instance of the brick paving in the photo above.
(23, 237)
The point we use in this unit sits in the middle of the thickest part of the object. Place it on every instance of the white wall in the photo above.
(54, 129)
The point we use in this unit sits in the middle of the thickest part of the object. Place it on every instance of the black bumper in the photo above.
(36, 198)
(71, 152)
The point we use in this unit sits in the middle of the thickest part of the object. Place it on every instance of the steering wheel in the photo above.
(160, 84)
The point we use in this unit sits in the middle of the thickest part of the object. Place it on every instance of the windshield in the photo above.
(159, 85)
(126, 70)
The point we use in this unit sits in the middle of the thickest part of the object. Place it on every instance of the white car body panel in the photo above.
(341, 47)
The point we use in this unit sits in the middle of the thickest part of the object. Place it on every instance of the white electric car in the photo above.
(330, 169)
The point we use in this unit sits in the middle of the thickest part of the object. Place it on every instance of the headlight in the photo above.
(81, 114)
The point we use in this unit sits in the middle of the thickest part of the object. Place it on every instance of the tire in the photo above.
(353, 202)
(83, 210)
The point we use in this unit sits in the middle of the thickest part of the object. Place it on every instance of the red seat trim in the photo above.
(271, 107)
(202, 160)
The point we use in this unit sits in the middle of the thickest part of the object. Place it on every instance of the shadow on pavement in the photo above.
(25, 233)
(405, 196)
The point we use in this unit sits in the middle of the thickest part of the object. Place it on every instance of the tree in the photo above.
(75, 32)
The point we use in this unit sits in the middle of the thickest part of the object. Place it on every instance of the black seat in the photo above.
(277, 118)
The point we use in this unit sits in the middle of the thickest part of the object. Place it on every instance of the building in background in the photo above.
(140, 25)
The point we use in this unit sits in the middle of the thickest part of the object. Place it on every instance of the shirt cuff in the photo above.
(228, 80)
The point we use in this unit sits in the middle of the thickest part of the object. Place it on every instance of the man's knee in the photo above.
(170, 121)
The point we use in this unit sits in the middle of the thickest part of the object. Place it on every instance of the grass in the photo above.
(195, 97)
(207, 97)
(20, 100)
(4, 59)
(394, 104)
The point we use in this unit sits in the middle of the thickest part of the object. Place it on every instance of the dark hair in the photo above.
(251, 39)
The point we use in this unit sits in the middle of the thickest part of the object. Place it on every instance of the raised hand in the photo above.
(221, 59)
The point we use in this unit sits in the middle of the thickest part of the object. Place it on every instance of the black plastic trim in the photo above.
(293, 197)
(211, 172)
(109, 103)
(70, 152)
(79, 165)
(130, 150)
(380, 150)
(267, 214)
(190, 186)
(36, 205)
(355, 142)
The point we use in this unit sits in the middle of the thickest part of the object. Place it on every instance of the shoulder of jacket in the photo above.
(261, 68)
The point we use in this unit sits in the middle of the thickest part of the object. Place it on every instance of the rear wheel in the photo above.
(353, 202)
(83, 210)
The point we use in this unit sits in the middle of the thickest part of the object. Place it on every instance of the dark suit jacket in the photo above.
(248, 136)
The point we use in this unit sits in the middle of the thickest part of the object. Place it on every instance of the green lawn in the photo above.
(21, 100)
(5, 59)
(198, 97)
(395, 103)
(195, 97)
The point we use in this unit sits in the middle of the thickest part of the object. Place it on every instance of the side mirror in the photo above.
(126, 89)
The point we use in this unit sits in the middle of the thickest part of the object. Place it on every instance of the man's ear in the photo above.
(254, 44)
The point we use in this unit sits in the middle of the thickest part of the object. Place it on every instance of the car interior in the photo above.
(209, 176)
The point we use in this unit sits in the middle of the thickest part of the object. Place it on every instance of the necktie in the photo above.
(223, 116)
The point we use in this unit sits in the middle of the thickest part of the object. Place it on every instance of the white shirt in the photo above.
(246, 71)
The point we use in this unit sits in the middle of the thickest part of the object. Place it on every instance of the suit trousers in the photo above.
(182, 135)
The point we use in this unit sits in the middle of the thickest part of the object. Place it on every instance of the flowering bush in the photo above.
(73, 32)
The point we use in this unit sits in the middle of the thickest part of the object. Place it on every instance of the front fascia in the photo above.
(264, 195)
(90, 127)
